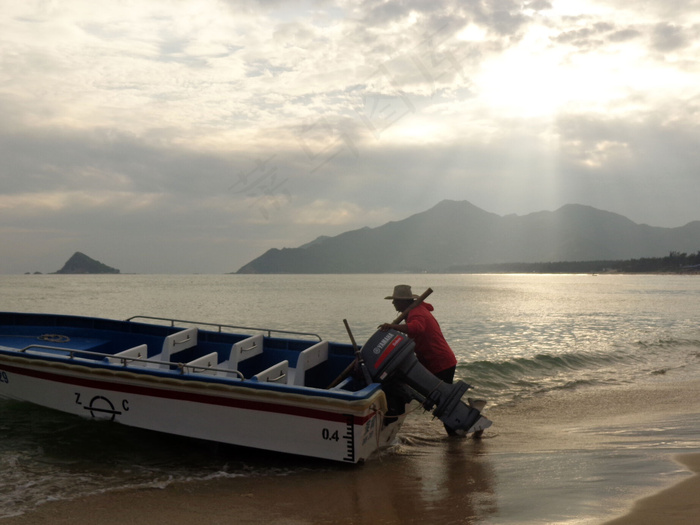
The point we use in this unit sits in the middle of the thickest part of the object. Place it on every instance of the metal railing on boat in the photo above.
(182, 367)
(220, 326)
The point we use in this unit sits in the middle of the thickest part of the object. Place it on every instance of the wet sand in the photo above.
(607, 452)
(677, 504)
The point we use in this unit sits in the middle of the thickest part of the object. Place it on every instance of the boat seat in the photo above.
(309, 358)
(125, 357)
(275, 374)
(173, 344)
(241, 351)
(200, 365)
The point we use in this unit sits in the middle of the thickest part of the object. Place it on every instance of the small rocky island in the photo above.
(81, 263)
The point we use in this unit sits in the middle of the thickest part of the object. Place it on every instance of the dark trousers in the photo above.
(446, 375)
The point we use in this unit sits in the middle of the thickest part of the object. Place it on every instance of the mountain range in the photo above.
(457, 234)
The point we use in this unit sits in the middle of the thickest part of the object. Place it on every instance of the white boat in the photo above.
(224, 383)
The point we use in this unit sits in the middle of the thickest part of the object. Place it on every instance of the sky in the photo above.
(178, 136)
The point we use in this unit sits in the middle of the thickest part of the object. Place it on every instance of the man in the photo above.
(432, 350)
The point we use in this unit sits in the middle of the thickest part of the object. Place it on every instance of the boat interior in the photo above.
(187, 349)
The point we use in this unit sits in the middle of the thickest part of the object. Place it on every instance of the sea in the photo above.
(517, 338)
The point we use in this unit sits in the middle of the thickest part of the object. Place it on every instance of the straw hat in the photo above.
(402, 291)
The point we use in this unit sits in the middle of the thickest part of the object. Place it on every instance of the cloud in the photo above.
(232, 127)
(623, 35)
(669, 37)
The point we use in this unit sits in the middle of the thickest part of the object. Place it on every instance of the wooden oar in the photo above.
(352, 339)
(345, 373)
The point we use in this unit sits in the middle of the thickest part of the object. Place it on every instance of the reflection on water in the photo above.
(429, 478)
(458, 482)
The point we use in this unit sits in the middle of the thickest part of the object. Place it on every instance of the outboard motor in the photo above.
(389, 358)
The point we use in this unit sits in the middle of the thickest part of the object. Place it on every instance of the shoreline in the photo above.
(586, 456)
(677, 504)
(252, 501)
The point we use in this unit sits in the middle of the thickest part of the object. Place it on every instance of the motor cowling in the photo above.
(389, 358)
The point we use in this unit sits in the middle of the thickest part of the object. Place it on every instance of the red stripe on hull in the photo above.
(260, 406)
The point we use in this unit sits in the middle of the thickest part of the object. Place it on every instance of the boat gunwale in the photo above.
(181, 367)
(166, 379)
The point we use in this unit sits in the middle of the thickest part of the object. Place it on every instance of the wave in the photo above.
(671, 343)
(515, 377)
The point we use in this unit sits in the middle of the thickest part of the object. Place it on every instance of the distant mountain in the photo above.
(81, 263)
(455, 234)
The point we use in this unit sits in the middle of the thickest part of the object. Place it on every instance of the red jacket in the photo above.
(432, 350)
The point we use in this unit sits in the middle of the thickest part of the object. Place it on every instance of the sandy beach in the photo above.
(580, 456)
(676, 505)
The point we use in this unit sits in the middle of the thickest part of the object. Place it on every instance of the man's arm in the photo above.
(398, 327)
(415, 324)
